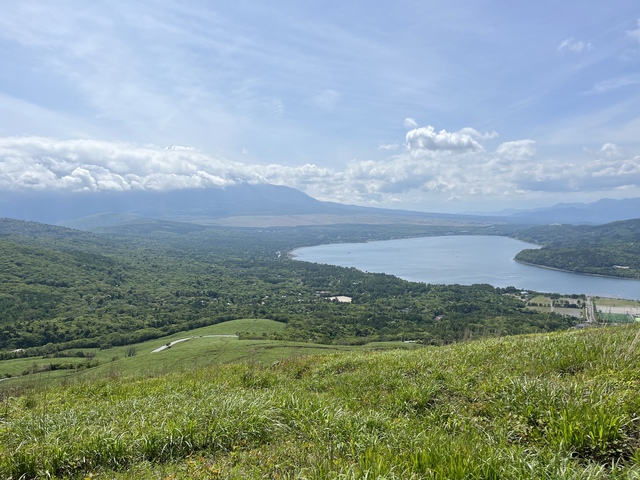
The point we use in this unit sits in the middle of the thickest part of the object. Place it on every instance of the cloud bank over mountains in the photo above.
(452, 165)
(326, 100)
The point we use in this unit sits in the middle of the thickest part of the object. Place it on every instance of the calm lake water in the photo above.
(464, 260)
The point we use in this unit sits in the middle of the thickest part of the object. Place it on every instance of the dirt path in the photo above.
(168, 345)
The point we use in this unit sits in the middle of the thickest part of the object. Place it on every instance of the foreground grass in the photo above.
(548, 406)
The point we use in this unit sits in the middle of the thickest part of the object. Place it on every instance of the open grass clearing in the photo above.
(252, 325)
(540, 301)
(612, 310)
(616, 302)
(232, 327)
(203, 348)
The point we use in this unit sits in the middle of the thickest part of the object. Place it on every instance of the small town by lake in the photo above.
(464, 260)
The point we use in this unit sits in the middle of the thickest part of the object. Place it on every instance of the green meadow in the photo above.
(195, 348)
(562, 405)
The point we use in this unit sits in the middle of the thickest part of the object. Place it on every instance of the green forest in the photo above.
(63, 288)
(612, 249)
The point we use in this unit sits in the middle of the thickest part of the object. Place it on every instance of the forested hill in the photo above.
(612, 249)
(60, 288)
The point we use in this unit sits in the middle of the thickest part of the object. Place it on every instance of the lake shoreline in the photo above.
(575, 272)
(465, 260)
(292, 255)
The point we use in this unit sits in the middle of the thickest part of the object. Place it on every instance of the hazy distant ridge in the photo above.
(605, 210)
(186, 204)
(263, 200)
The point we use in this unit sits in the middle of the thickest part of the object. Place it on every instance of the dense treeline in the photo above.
(61, 288)
(611, 249)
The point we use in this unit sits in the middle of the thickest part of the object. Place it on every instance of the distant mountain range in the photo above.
(188, 203)
(239, 205)
(268, 205)
(54, 207)
(603, 211)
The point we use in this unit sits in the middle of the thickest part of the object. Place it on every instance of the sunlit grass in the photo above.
(198, 351)
(616, 302)
(548, 406)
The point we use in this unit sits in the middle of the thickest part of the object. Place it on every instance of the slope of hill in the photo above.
(561, 406)
(243, 199)
(612, 249)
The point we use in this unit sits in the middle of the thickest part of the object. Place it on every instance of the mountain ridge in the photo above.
(605, 210)
(193, 205)
(286, 206)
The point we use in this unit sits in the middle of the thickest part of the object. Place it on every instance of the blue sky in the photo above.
(433, 106)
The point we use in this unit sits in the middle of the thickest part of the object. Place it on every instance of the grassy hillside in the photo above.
(243, 340)
(560, 405)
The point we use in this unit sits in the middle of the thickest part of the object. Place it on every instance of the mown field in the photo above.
(563, 305)
(557, 406)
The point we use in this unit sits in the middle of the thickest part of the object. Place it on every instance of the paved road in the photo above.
(590, 310)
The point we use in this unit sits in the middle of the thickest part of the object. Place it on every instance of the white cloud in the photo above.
(410, 123)
(616, 83)
(610, 150)
(573, 45)
(389, 146)
(517, 149)
(472, 132)
(179, 147)
(37, 162)
(426, 139)
(450, 164)
(635, 34)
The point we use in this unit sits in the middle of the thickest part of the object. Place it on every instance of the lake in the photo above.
(464, 260)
